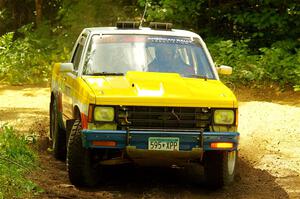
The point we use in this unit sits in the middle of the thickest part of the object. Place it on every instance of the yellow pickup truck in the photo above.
(149, 96)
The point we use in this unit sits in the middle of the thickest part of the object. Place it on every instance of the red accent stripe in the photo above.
(60, 108)
(84, 122)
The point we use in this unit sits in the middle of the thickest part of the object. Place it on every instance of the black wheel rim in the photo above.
(231, 162)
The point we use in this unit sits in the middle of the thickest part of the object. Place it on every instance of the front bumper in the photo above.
(138, 139)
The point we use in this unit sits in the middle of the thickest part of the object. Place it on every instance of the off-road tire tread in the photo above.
(215, 169)
(78, 160)
(60, 148)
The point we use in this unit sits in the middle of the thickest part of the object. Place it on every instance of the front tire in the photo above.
(219, 168)
(81, 164)
(57, 134)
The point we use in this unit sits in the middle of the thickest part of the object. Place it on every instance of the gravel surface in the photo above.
(271, 141)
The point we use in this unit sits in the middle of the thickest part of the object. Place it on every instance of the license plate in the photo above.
(163, 144)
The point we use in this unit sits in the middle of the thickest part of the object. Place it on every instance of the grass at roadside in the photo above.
(17, 160)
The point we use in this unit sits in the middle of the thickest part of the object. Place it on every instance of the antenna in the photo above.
(143, 17)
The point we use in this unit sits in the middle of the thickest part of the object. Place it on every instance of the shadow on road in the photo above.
(139, 182)
(179, 183)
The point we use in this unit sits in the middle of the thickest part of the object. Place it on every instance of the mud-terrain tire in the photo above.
(219, 168)
(57, 134)
(82, 171)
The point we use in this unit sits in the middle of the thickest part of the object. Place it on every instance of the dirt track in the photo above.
(269, 163)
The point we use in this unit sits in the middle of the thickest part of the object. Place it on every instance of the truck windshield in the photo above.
(109, 54)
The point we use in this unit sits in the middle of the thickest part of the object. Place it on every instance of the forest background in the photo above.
(260, 39)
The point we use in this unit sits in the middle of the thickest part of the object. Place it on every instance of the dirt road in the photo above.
(269, 163)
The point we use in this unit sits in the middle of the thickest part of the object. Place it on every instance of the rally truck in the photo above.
(148, 96)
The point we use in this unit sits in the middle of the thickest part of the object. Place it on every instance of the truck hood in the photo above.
(160, 89)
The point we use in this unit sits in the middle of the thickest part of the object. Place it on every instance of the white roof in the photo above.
(142, 31)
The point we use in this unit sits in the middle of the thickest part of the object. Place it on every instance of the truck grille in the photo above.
(164, 117)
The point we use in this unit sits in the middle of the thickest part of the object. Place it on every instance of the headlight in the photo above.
(224, 117)
(104, 114)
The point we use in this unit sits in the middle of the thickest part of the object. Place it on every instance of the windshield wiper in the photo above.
(106, 74)
(199, 76)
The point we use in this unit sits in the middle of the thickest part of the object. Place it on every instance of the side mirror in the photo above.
(66, 67)
(224, 70)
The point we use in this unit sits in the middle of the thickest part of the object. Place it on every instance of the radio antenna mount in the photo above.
(143, 17)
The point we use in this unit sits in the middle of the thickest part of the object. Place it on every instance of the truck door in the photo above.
(69, 81)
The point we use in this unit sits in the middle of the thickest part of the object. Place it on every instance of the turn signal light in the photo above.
(221, 145)
(104, 143)
(90, 115)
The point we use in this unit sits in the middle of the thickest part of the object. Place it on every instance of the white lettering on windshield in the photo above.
(170, 40)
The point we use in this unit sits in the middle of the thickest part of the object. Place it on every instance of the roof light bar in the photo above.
(127, 25)
(160, 26)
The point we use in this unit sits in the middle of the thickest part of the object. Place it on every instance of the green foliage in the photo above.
(280, 63)
(183, 13)
(77, 15)
(297, 88)
(16, 13)
(236, 55)
(16, 160)
(29, 59)
(261, 21)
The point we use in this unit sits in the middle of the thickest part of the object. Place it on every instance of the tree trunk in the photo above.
(2, 26)
(38, 8)
(2, 3)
